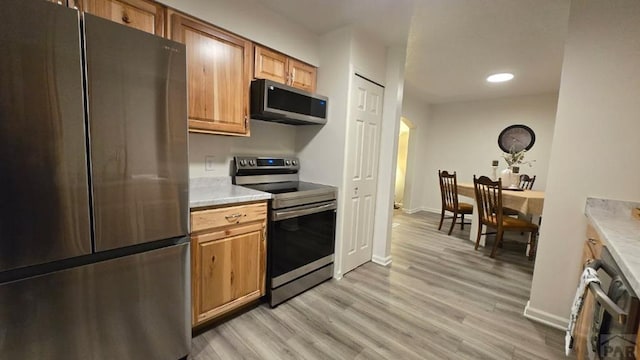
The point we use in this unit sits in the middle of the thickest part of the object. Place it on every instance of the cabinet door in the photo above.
(139, 14)
(270, 65)
(227, 271)
(585, 318)
(219, 68)
(583, 324)
(302, 76)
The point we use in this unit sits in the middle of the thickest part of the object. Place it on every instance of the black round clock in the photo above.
(516, 138)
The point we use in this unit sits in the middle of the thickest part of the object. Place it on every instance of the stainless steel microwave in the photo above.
(272, 101)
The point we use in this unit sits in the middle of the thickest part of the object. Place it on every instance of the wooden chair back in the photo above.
(526, 181)
(489, 200)
(448, 190)
(491, 213)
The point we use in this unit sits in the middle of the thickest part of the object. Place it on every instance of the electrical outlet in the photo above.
(209, 163)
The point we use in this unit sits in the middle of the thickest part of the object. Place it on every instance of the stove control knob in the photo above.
(252, 162)
(243, 162)
(294, 162)
(288, 162)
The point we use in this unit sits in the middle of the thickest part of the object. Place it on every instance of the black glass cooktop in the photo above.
(287, 187)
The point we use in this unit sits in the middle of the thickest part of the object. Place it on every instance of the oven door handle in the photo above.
(601, 297)
(303, 210)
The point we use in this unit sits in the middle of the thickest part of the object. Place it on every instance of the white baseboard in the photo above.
(384, 261)
(545, 318)
(421, 208)
(410, 211)
(431, 210)
(337, 274)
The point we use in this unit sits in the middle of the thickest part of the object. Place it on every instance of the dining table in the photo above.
(529, 203)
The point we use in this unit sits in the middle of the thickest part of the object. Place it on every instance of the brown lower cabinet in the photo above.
(228, 259)
(591, 251)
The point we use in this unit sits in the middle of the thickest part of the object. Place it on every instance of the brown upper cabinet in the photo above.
(272, 65)
(139, 14)
(219, 73)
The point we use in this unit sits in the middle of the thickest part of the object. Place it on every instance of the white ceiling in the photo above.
(453, 45)
(387, 20)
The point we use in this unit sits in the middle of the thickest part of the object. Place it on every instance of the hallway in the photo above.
(439, 299)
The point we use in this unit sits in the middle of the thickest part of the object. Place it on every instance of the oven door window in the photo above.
(298, 241)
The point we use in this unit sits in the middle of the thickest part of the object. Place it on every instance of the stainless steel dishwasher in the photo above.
(614, 327)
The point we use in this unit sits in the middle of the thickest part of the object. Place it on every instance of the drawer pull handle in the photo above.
(233, 217)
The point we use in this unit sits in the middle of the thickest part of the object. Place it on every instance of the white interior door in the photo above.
(363, 147)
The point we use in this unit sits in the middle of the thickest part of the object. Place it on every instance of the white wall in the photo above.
(391, 114)
(417, 112)
(463, 137)
(343, 52)
(322, 149)
(266, 139)
(256, 22)
(595, 145)
(369, 57)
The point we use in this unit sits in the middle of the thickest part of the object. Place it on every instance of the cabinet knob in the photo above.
(213, 259)
(125, 19)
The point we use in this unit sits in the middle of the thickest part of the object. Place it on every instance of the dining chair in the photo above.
(449, 194)
(490, 213)
(526, 181)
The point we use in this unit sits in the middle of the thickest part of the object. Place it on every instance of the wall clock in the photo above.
(516, 138)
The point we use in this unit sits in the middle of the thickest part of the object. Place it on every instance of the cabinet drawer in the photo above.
(214, 218)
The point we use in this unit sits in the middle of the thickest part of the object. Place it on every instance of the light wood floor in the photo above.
(439, 299)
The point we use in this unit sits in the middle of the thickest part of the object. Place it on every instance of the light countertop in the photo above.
(204, 192)
(620, 232)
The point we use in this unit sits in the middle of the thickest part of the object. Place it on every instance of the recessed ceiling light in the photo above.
(501, 77)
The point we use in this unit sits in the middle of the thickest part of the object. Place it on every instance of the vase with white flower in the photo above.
(515, 160)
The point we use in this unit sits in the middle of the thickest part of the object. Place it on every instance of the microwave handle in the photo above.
(602, 298)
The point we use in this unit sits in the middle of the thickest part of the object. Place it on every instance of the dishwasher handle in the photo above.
(601, 296)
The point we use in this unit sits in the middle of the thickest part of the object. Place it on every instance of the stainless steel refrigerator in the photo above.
(94, 253)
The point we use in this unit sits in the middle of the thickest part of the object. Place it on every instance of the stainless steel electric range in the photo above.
(301, 227)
